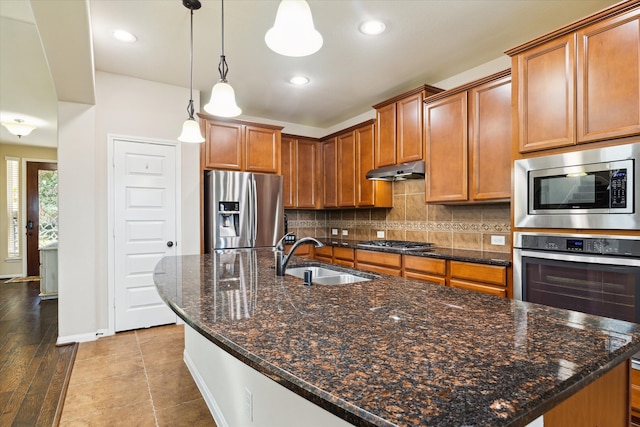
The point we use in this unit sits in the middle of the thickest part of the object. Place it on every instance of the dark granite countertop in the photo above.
(480, 257)
(394, 351)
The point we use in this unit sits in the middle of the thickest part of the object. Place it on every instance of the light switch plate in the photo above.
(345, 232)
(380, 234)
(497, 240)
(334, 231)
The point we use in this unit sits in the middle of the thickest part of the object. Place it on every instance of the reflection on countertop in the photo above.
(394, 351)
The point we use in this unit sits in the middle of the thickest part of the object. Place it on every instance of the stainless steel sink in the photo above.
(326, 276)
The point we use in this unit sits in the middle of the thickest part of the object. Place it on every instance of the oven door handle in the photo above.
(592, 259)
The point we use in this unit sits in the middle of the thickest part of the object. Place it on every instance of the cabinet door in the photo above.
(347, 170)
(546, 91)
(364, 151)
(386, 135)
(608, 66)
(446, 149)
(262, 150)
(490, 140)
(289, 171)
(409, 129)
(307, 174)
(223, 146)
(330, 160)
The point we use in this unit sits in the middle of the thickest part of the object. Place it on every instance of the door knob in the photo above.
(169, 243)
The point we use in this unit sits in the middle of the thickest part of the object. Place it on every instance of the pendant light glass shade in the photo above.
(223, 101)
(191, 132)
(191, 128)
(223, 98)
(18, 127)
(293, 33)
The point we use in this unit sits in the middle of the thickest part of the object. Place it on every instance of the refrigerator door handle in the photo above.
(253, 203)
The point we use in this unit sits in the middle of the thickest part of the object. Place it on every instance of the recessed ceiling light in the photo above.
(124, 36)
(299, 80)
(372, 28)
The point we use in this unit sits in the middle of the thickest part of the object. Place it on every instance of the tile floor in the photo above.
(135, 378)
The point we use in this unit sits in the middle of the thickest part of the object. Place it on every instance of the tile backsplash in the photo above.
(448, 226)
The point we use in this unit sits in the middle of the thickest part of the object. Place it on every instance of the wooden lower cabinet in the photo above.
(489, 279)
(344, 256)
(324, 253)
(426, 269)
(379, 262)
(635, 395)
(303, 251)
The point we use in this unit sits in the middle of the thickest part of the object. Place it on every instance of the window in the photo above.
(13, 207)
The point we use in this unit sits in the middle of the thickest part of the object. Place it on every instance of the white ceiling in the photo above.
(426, 41)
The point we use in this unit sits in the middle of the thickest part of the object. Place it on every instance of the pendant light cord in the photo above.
(190, 108)
(223, 68)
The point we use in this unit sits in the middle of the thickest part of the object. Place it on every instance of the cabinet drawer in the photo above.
(346, 254)
(479, 272)
(324, 253)
(425, 265)
(478, 287)
(391, 271)
(344, 262)
(379, 258)
(425, 277)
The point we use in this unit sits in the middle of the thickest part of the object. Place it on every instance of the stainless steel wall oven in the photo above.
(589, 273)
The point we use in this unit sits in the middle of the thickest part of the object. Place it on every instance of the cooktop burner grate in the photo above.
(397, 244)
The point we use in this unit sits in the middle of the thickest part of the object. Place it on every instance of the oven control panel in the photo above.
(581, 244)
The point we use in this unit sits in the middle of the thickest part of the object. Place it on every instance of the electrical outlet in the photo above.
(248, 404)
(497, 240)
(380, 234)
(334, 231)
(345, 232)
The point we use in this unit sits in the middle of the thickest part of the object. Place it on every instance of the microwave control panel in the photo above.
(580, 244)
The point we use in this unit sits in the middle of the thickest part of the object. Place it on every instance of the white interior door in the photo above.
(144, 230)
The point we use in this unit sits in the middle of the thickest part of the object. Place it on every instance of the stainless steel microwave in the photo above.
(589, 189)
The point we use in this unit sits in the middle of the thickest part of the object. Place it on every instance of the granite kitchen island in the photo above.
(390, 351)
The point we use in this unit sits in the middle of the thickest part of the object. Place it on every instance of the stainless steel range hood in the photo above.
(411, 170)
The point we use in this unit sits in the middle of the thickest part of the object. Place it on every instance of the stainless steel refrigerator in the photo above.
(242, 210)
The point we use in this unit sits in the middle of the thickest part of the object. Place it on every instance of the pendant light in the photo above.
(18, 127)
(223, 99)
(293, 33)
(191, 128)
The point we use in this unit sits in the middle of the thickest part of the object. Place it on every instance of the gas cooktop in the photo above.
(397, 244)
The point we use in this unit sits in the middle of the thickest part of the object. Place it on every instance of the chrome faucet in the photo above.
(282, 259)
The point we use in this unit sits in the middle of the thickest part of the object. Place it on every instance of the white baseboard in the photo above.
(91, 336)
(10, 276)
(215, 410)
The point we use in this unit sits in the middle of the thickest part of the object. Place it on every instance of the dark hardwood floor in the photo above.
(34, 372)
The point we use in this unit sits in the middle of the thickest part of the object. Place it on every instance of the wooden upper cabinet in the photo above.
(223, 148)
(385, 136)
(369, 193)
(490, 140)
(409, 129)
(580, 83)
(330, 181)
(546, 95)
(346, 170)
(608, 76)
(468, 142)
(300, 172)
(289, 170)
(399, 127)
(446, 149)
(308, 174)
(240, 146)
(262, 150)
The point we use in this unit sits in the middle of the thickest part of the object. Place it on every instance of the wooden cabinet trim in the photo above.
(429, 90)
(467, 86)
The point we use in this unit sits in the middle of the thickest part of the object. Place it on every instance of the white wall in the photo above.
(124, 106)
